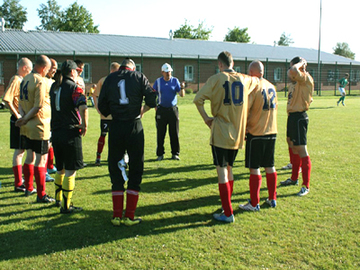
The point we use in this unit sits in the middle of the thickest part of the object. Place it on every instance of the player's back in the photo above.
(34, 93)
(262, 118)
(228, 92)
(122, 94)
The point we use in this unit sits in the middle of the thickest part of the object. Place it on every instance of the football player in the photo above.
(260, 139)
(299, 98)
(228, 94)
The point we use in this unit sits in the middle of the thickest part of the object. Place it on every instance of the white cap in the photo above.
(166, 67)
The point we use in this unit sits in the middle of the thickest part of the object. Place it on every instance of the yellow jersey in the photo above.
(34, 92)
(300, 92)
(97, 94)
(12, 92)
(228, 94)
(262, 118)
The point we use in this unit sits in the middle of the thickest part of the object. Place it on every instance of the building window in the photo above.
(237, 69)
(358, 75)
(1, 73)
(138, 67)
(86, 74)
(278, 74)
(189, 73)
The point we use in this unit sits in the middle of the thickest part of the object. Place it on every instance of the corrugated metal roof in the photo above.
(14, 41)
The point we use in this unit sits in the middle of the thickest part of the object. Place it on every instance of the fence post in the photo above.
(350, 78)
(266, 68)
(335, 78)
(320, 79)
(198, 87)
(74, 55)
(171, 60)
(245, 65)
(286, 67)
(142, 62)
(109, 58)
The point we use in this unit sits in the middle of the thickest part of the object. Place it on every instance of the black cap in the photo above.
(67, 66)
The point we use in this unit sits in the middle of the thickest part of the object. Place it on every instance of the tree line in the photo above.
(76, 18)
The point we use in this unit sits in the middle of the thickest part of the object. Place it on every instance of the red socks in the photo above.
(271, 181)
(118, 203)
(17, 175)
(255, 184)
(132, 197)
(306, 169)
(231, 184)
(291, 154)
(225, 196)
(39, 173)
(100, 145)
(296, 164)
(50, 161)
(28, 170)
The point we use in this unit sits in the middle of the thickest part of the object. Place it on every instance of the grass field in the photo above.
(319, 231)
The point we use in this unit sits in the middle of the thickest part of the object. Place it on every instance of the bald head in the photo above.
(256, 69)
(129, 63)
(53, 68)
(25, 66)
(42, 65)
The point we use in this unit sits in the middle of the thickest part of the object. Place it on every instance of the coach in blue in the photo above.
(122, 95)
(167, 112)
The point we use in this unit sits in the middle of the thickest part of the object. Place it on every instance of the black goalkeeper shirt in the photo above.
(65, 102)
(122, 95)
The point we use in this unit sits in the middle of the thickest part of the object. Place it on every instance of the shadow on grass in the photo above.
(54, 232)
(163, 180)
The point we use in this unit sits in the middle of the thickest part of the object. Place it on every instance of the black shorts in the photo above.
(38, 146)
(68, 152)
(297, 126)
(104, 125)
(260, 151)
(223, 157)
(15, 142)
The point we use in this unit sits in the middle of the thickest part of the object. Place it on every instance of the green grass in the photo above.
(319, 231)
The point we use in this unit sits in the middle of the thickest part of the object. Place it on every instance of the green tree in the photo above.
(343, 49)
(285, 40)
(188, 31)
(13, 13)
(50, 16)
(77, 19)
(237, 35)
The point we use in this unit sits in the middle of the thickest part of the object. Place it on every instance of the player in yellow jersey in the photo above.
(34, 106)
(228, 94)
(261, 137)
(11, 99)
(105, 121)
(299, 98)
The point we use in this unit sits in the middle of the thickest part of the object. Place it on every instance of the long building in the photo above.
(193, 61)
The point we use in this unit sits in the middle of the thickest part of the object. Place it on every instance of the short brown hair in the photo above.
(225, 58)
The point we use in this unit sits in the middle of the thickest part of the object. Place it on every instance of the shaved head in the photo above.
(256, 68)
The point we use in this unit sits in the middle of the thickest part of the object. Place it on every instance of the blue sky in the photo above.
(265, 21)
